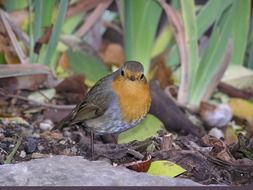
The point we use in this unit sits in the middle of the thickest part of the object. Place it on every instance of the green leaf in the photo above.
(140, 26)
(162, 41)
(145, 129)
(207, 15)
(13, 5)
(210, 13)
(241, 22)
(190, 25)
(50, 50)
(165, 168)
(70, 24)
(89, 65)
(212, 56)
(43, 16)
(2, 59)
(48, 10)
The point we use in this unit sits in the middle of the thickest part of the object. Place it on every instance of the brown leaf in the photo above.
(219, 150)
(49, 135)
(56, 115)
(113, 55)
(5, 47)
(43, 39)
(140, 165)
(11, 57)
(162, 73)
(19, 16)
(73, 89)
(26, 76)
(32, 82)
(63, 61)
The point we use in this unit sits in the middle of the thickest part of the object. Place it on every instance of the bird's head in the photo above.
(133, 71)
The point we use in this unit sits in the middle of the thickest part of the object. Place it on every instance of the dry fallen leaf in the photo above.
(219, 150)
(113, 54)
(43, 39)
(23, 76)
(73, 89)
(5, 47)
(162, 73)
(63, 61)
(139, 166)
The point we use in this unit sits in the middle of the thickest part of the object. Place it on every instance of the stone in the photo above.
(76, 171)
(30, 145)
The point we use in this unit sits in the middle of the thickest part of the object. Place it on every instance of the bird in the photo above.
(116, 103)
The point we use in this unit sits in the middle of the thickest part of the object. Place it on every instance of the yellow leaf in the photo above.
(165, 168)
(230, 135)
(241, 108)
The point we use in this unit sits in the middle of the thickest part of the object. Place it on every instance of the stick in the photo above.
(13, 152)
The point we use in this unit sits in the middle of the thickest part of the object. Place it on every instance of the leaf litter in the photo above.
(25, 134)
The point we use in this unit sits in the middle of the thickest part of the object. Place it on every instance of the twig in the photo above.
(166, 142)
(181, 42)
(234, 92)
(14, 41)
(135, 153)
(93, 17)
(37, 103)
(13, 152)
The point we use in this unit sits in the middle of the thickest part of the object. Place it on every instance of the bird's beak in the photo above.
(132, 78)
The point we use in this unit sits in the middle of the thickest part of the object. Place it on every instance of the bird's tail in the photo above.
(65, 122)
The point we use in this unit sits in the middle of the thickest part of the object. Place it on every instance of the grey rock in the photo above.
(76, 171)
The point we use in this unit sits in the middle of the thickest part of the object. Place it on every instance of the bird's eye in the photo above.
(142, 76)
(122, 72)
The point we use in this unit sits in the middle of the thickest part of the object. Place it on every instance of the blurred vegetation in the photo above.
(200, 40)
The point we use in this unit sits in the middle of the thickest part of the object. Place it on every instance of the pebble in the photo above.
(30, 145)
(40, 148)
(46, 125)
(216, 133)
(74, 149)
(2, 136)
(22, 154)
(62, 142)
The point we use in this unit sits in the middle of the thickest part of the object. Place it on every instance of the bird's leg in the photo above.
(92, 144)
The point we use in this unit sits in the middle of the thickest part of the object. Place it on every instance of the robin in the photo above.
(115, 103)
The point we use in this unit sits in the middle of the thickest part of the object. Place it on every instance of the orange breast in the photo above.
(134, 98)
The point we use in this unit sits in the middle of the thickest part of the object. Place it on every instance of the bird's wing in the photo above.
(86, 111)
(83, 111)
(94, 105)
